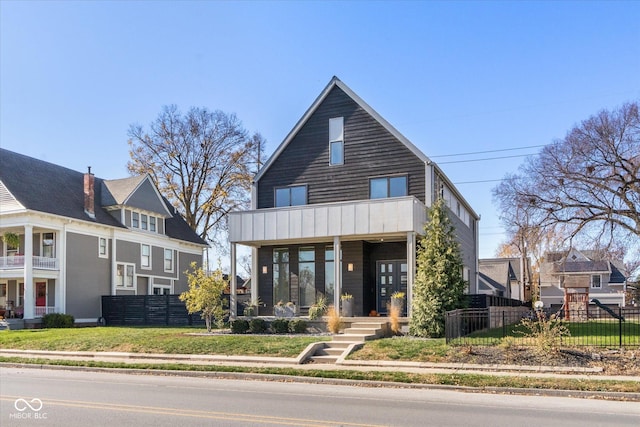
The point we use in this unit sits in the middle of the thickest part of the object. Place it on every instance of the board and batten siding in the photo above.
(369, 151)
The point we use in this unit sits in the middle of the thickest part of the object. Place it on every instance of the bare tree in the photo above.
(587, 183)
(202, 162)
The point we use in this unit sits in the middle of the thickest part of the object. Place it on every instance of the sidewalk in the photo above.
(353, 365)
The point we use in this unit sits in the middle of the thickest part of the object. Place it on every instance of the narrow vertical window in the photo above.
(48, 245)
(307, 276)
(336, 141)
(145, 256)
(152, 223)
(102, 247)
(168, 260)
(595, 281)
(329, 274)
(144, 221)
(135, 220)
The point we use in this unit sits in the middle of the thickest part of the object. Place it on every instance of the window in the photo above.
(48, 245)
(280, 275)
(161, 290)
(381, 188)
(145, 256)
(291, 196)
(336, 141)
(144, 221)
(595, 281)
(102, 247)
(152, 223)
(329, 273)
(307, 276)
(168, 260)
(124, 275)
(135, 220)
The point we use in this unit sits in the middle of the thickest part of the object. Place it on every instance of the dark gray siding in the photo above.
(369, 151)
(146, 198)
(88, 276)
(184, 262)
(466, 238)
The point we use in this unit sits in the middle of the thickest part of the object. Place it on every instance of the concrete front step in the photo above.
(362, 331)
(329, 351)
(354, 338)
(368, 325)
(323, 359)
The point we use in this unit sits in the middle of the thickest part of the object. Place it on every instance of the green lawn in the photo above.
(592, 333)
(156, 340)
(403, 348)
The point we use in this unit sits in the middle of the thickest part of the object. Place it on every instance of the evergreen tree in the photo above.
(438, 286)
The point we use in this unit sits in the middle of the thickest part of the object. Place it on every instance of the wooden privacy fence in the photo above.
(595, 327)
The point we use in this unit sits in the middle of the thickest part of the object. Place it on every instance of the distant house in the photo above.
(573, 278)
(81, 237)
(505, 277)
(338, 209)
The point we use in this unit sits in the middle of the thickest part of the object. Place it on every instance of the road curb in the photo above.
(634, 397)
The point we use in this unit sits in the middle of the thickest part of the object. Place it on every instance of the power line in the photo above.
(489, 151)
(477, 182)
(481, 160)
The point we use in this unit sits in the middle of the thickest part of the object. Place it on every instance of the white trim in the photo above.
(164, 259)
(148, 266)
(106, 247)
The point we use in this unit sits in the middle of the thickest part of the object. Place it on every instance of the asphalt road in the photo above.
(39, 397)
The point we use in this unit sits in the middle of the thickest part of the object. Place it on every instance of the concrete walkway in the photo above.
(341, 364)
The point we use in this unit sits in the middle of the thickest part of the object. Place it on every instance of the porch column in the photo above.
(254, 277)
(29, 296)
(337, 272)
(59, 281)
(411, 268)
(233, 312)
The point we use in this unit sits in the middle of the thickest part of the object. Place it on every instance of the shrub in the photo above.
(298, 326)
(57, 320)
(546, 332)
(239, 326)
(319, 308)
(280, 326)
(257, 326)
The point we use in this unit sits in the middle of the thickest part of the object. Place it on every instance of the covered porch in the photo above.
(365, 248)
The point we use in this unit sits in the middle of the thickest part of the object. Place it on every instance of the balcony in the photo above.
(39, 263)
(364, 219)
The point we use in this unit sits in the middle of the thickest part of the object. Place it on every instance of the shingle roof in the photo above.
(45, 187)
(120, 189)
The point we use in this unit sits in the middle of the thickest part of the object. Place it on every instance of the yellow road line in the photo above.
(194, 413)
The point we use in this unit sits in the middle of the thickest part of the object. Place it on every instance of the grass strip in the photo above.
(461, 380)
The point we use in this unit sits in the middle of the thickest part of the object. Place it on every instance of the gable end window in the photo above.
(135, 220)
(291, 196)
(388, 186)
(336, 141)
(596, 281)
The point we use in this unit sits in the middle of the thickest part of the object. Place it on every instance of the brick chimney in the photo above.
(89, 202)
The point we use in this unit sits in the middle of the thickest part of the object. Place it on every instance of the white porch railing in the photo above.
(39, 262)
(41, 311)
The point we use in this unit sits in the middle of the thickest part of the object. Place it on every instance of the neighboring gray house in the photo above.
(573, 278)
(81, 237)
(503, 277)
(338, 209)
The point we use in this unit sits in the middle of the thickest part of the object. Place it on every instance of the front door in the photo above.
(41, 294)
(391, 276)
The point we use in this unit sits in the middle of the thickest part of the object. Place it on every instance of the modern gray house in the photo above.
(338, 208)
(69, 238)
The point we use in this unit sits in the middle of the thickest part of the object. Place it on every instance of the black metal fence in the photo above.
(484, 301)
(596, 327)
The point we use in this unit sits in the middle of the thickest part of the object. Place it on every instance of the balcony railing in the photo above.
(39, 262)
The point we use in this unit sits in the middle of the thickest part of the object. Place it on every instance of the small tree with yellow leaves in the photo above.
(205, 295)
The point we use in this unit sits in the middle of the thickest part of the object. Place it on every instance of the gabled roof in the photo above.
(137, 191)
(120, 189)
(579, 262)
(488, 283)
(500, 269)
(45, 187)
(336, 82)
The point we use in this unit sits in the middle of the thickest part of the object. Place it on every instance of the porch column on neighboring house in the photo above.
(337, 272)
(59, 307)
(233, 312)
(254, 276)
(411, 268)
(29, 297)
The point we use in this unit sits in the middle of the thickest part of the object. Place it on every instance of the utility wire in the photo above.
(489, 151)
(481, 160)
(477, 182)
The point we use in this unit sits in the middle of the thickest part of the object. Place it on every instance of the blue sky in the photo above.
(453, 77)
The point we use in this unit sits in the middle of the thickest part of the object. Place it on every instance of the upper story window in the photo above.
(388, 186)
(48, 245)
(152, 223)
(336, 141)
(102, 247)
(291, 196)
(135, 220)
(145, 256)
(168, 260)
(596, 281)
(144, 223)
